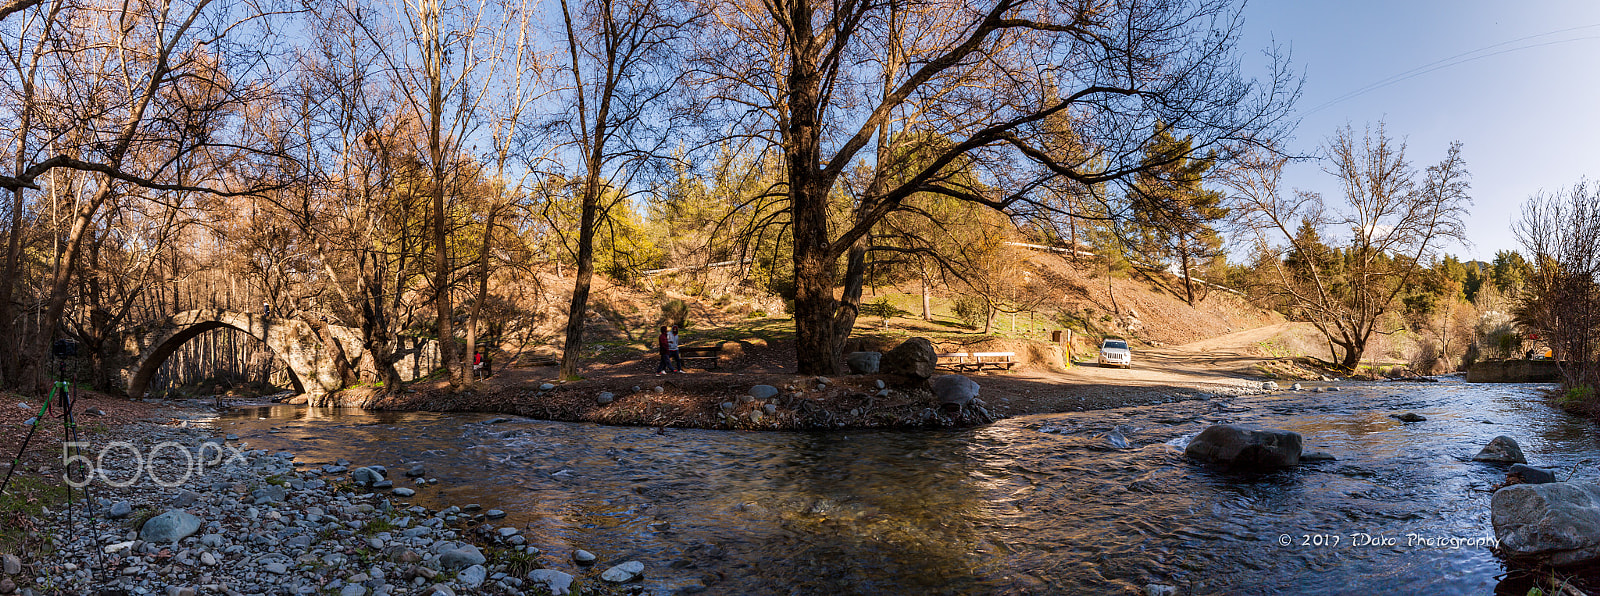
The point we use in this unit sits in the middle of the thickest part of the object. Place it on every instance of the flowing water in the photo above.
(1033, 505)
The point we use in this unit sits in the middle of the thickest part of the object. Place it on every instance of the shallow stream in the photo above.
(1032, 505)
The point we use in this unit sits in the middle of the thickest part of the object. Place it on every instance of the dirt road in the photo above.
(1228, 362)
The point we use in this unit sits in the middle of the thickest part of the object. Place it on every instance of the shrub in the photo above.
(881, 308)
(675, 312)
(1579, 396)
(971, 310)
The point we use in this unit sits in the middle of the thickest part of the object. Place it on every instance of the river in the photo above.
(1038, 504)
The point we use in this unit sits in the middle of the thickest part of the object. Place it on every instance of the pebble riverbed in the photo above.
(255, 522)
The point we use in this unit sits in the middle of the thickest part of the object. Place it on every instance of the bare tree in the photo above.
(1395, 226)
(616, 50)
(149, 97)
(1562, 299)
(803, 76)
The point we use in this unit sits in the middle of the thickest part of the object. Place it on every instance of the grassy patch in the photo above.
(25, 498)
(378, 526)
(518, 564)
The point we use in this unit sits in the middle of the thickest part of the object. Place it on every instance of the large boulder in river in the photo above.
(1244, 447)
(955, 390)
(914, 359)
(1501, 449)
(1557, 522)
(863, 363)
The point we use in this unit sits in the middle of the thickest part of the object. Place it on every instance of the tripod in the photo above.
(62, 396)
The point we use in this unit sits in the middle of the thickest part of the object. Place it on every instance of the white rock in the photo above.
(559, 583)
(471, 577)
(625, 572)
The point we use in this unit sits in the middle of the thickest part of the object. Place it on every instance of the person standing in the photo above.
(666, 356)
(672, 349)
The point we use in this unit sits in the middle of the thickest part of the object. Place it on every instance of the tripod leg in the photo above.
(17, 461)
(71, 422)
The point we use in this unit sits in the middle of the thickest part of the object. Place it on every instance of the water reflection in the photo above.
(1037, 505)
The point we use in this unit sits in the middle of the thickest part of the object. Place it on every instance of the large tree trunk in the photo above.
(585, 277)
(813, 305)
(9, 357)
(808, 197)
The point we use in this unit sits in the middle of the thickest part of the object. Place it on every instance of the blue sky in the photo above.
(1526, 111)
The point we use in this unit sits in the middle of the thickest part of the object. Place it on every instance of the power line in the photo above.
(1461, 58)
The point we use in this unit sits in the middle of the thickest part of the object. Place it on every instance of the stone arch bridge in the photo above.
(322, 358)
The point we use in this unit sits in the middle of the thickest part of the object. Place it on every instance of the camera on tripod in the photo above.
(64, 348)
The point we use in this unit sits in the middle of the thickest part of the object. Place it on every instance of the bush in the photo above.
(881, 308)
(1582, 395)
(675, 312)
(971, 310)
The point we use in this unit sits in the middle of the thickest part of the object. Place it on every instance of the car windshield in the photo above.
(1115, 345)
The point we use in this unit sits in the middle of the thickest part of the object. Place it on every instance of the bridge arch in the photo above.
(314, 367)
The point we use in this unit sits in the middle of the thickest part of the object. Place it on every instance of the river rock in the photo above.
(559, 583)
(473, 576)
(583, 557)
(625, 572)
(416, 472)
(1558, 522)
(365, 476)
(465, 556)
(403, 492)
(11, 564)
(168, 527)
(1532, 475)
(1270, 386)
(763, 391)
(1160, 590)
(1310, 456)
(1409, 417)
(1116, 439)
(353, 590)
(1244, 447)
(546, 386)
(1502, 449)
(120, 509)
(1297, 387)
(914, 359)
(605, 397)
(955, 390)
(770, 409)
(863, 363)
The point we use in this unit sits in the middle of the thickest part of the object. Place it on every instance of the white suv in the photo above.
(1115, 352)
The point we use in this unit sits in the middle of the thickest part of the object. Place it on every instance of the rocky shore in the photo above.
(208, 515)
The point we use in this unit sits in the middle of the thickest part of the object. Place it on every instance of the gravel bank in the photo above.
(245, 521)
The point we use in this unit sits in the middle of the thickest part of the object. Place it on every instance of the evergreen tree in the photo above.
(1173, 213)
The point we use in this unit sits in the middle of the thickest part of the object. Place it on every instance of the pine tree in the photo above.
(1173, 213)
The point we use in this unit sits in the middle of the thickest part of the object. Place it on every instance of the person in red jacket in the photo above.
(666, 355)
